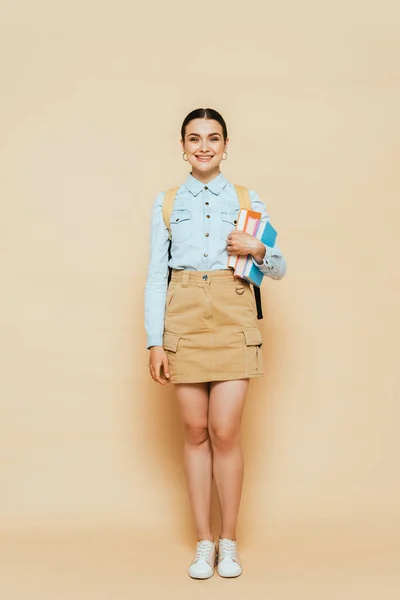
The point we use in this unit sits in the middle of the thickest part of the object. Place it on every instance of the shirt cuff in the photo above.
(154, 340)
(267, 260)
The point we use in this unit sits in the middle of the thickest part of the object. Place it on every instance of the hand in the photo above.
(242, 243)
(158, 365)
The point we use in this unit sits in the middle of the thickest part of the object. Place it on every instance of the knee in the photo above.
(224, 440)
(196, 435)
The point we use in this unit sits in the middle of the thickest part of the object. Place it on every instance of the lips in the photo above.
(203, 158)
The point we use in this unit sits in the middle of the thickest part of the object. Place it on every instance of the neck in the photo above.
(205, 177)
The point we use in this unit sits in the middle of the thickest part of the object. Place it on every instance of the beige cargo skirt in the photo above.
(210, 328)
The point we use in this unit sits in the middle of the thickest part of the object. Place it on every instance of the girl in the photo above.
(202, 330)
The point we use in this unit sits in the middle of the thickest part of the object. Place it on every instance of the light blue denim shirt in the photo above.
(202, 218)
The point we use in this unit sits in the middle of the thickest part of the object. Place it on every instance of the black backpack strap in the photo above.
(169, 258)
(257, 295)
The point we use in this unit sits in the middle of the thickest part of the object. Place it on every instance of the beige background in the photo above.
(92, 99)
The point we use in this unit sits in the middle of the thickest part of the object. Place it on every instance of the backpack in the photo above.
(244, 202)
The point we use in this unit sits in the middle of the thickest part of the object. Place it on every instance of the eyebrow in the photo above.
(216, 133)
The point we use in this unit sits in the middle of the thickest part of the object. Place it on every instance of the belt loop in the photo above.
(185, 278)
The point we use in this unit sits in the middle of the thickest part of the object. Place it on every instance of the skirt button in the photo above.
(205, 277)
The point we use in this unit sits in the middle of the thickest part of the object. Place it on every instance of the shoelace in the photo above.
(203, 550)
(227, 549)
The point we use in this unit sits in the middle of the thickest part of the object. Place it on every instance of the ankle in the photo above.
(227, 537)
(206, 536)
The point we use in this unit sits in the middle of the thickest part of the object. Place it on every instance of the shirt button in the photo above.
(207, 203)
(206, 234)
(208, 216)
(205, 187)
(205, 254)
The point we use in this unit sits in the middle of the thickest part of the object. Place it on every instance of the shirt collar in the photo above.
(195, 186)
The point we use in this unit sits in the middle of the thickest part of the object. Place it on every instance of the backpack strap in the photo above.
(167, 206)
(243, 196)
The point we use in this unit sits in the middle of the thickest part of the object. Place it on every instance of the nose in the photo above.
(204, 146)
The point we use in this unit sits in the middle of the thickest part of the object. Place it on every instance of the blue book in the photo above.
(267, 234)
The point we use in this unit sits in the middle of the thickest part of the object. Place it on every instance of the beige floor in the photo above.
(103, 565)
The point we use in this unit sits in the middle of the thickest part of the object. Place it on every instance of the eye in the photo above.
(215, 139)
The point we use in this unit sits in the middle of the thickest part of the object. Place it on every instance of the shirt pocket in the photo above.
(228, 222)
(181, 224)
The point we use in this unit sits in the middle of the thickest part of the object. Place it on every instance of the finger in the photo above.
(158, 377)
(153, 371)
(166, 367)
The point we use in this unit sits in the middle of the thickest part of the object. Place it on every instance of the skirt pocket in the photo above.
(170, 295)
(171, 346)
(253, 351)
(170, 342)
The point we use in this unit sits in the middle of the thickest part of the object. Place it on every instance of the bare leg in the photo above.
(193, 402)
(224, 420)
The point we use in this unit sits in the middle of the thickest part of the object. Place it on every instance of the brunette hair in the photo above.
(204, 113)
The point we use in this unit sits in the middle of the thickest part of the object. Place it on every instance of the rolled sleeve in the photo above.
(273, 264)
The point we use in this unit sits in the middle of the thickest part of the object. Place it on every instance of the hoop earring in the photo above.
(225, 156)
(183, 156)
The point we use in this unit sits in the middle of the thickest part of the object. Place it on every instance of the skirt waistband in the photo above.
(185, 275)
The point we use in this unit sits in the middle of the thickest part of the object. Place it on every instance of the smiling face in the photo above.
(204, 145)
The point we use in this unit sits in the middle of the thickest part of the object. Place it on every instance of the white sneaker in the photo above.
(204, 562)
(228, 559)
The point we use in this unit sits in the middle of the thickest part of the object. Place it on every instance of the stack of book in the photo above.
(244, 266)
